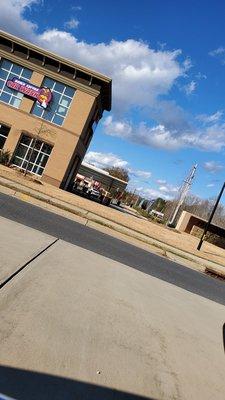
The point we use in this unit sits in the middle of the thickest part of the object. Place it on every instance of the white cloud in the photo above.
(72, 23)
(208, 119)
(141, 77)
(151, 193)
(103, 160)
(140, 174)
(160, 181)
(212, 138)
(169, 189)
(76, 8)
(212, 166)
(217, 52)
(140, 74)
(12, 18)
(199, 75)
(210, 185)
(190, 88)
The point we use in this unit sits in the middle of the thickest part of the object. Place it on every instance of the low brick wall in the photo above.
(210, 236)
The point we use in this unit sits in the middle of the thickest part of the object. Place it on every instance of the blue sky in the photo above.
(167, 62)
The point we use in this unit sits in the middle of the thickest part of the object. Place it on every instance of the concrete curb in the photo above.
(16, 189)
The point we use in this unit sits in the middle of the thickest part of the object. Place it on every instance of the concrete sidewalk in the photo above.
(178, 247)
(75, 324)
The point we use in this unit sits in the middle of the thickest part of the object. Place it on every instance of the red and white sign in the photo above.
(42, 94)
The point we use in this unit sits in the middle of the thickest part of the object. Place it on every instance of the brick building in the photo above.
(49, 108)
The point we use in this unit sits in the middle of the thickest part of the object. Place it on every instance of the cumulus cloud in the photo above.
(151, 193)
(103, 160)
(12, 18)
(212, 138)
(212, 166)
(142, 76)
(72, 23)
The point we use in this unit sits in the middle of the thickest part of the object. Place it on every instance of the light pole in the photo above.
(210, 218)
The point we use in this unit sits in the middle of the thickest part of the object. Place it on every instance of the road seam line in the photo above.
(27, 263)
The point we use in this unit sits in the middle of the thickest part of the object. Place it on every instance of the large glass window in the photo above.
(4, 131)
(32, 154)
(62, 96)
(8, 70)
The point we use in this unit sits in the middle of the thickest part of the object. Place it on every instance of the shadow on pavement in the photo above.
(29, 385)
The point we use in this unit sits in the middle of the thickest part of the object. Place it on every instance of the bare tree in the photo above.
(40, 130)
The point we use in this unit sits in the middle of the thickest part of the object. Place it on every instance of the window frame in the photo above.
(42, 113)
(36, 166)
(15, 98)
(2, 135)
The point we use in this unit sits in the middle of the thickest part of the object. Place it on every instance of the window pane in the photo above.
(48, 115)
(3, 74)
(27, 73)
(46, 148)
(65, 101)
(40, 170)
(69, 91)
(2, 141)
(8, 90)
(62, 110)
(59, 87)
(4, 130)
(15, 102)
(1, 84)
(5, 97)
(21, 151)
(6, 64)
(17, 161)
(37, 110)
(38, 144)
(26, 140)
(33, 154)
(56, 98)
(16, 70)
(48, 83)
(58, 120)
(42, 159)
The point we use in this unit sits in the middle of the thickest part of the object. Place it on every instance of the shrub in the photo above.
(4, 157)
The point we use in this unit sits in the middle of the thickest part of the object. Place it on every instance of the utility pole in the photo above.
(183, 193)
(210, 218)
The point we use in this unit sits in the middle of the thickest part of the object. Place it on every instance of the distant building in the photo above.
(109, 182)
(36, 87)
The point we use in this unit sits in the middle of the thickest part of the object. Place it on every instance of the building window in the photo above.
(32, 154)
(8, 70)
(4, 131)
(62, 96)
